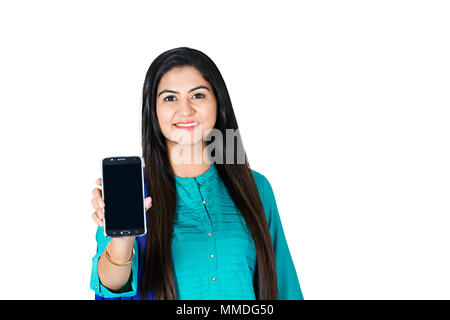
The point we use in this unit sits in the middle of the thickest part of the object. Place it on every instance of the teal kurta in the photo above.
(213, 252)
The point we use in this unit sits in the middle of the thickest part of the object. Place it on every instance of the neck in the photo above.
(188, 160)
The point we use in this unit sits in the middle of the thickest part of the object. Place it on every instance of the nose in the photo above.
(186, 107)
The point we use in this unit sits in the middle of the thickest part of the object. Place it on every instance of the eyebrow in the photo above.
(193, 89)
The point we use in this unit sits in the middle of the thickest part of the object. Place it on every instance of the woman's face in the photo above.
(184, 96)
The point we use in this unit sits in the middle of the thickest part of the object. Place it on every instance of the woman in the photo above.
(214, 231)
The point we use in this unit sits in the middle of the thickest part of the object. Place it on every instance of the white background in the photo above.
(343, 105)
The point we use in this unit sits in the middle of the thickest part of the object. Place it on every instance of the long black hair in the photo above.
(238, 179)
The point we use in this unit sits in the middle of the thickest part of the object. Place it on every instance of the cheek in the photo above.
(164, 117)
(211, 115)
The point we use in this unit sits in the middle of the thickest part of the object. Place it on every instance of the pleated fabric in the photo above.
(213, 251)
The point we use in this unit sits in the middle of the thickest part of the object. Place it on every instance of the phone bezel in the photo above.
(132, 232)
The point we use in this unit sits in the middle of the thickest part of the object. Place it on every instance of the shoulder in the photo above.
(267, 196)
(260, 180)
(264, 187)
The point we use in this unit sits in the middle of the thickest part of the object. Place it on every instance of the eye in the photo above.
(170, 100)
(199, 95)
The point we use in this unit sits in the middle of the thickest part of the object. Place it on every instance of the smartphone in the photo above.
(123, 194)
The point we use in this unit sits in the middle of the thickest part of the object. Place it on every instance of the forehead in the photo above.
(182, 78)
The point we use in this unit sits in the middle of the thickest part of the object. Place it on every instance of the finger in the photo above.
(97, 220)
(97, 203)
(148, 203)
(100, 213)
(94, 202)
(96, 192)
(98, 181)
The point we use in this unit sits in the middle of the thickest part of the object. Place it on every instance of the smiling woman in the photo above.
(214, 231)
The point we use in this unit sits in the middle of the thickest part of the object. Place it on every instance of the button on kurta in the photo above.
(213, 279)
(212, 256)
(204, 201)
(209, 234)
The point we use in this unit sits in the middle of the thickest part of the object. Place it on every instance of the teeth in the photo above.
(187, 124)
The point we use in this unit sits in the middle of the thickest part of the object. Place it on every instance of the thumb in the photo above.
(148, 203)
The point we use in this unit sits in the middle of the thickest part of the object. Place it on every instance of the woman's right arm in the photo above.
(111, 276)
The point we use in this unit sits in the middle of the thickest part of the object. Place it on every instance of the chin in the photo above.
(188, 141)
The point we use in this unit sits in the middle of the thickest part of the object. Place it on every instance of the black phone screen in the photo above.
(123, 195)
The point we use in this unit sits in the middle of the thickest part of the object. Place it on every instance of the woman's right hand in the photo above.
(98, 204)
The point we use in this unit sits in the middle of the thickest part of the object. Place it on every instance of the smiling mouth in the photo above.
(189, 125)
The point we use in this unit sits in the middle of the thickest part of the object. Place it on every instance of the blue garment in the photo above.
(213, 252)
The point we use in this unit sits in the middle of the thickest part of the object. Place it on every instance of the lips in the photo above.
(187, 124)
(184, 122)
